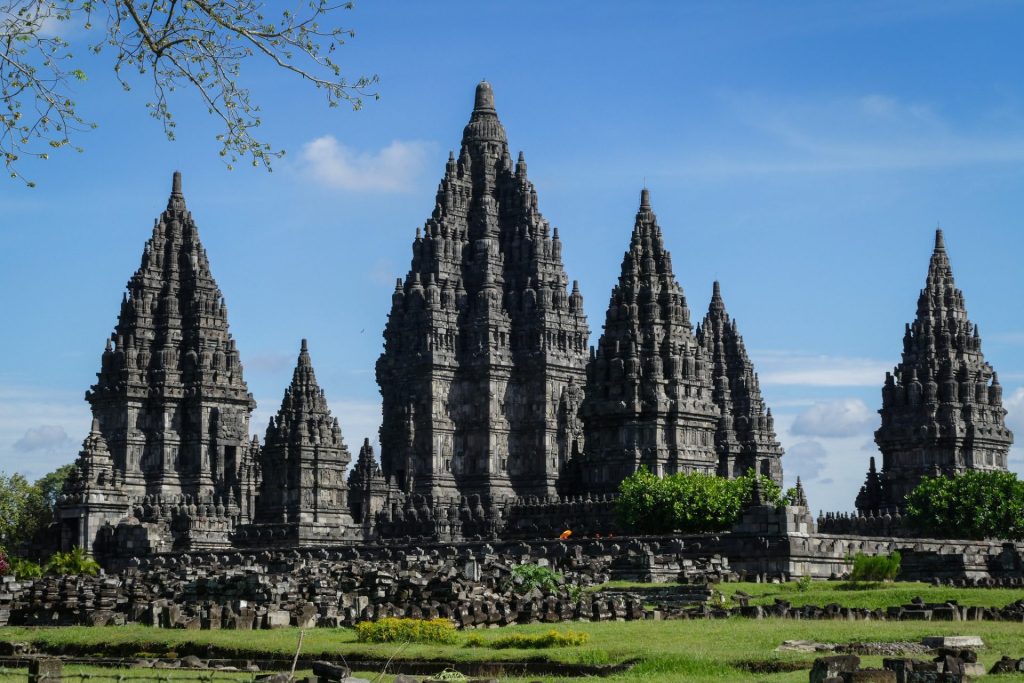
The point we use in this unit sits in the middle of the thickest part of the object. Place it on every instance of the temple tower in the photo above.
(745, 439)
(170, 399)
(303, 463)
(484, 341)
(942, 407)
(648, 398)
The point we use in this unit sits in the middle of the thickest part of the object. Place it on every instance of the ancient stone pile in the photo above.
(949, 666)
(473, 586)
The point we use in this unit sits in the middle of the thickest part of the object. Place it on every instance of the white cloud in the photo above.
(45, 438)
(1015, 413)
(788, 368)
(871, 131)
(40, 429)
(395, 168)
(806, 459)
(839, 417)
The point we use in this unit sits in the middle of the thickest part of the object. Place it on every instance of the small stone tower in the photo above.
(485, 344)
(745, 440)
(648, 398)
(303, 464)
(367, 488)
(942, 407)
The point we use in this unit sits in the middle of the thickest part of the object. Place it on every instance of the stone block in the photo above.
(45, 670)
(833, 667)
(953, 642)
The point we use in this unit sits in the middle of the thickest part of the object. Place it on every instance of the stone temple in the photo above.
(498, 421)
(942, 406)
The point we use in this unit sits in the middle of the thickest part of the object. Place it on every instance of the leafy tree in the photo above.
(27, 509)
(171, 45)
(688, 503)
(969, 505)
(16, 498)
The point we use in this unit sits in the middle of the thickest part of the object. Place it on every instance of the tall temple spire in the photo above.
(745, 439)
(942, 406)
(170, 404)
(171, 357)
(303, 462)
(482, 324)
(649, 380)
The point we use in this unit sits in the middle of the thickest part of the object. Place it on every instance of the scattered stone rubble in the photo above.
(948, 666)
(474, 587)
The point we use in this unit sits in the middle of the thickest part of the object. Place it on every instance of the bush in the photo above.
(396, 630)
(970, 505)
(687, 503)
(536, 576)
(873, 568)
(73, 562)
(5, 565)
(25, 569)
(525, 641)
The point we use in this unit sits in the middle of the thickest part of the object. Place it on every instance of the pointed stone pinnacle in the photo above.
(484, 97)
(645, 199)
(940, 242)
(176, 184)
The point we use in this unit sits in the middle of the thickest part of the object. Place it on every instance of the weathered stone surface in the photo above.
(942, 407)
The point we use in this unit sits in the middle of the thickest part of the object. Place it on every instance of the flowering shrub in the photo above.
(396, 630)
(5, 565)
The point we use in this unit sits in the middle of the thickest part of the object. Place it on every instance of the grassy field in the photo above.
(848, 595)
(699, 650)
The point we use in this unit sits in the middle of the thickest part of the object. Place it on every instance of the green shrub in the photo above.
(874, 568)
(398, 630)
(969, 505)
(525, 641)
(536, 576)
(803, 584)
(687, 503)
(5, 564)
(25, 569)
(73, 562)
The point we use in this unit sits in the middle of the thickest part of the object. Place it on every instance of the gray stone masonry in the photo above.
(942, 406)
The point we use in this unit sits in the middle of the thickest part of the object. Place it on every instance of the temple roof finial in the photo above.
(645, 199)
(176, 183)
(484, 97)
(940, 242)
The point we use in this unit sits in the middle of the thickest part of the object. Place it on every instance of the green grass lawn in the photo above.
(821, 593)
(698, 650)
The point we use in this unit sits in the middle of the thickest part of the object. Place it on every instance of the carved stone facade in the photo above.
(495, 423)
(648, 394)
(942, 406)
(745, 440)
(303, 464)
(485, 345)
(170, 401)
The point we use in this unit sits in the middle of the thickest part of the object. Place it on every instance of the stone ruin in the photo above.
(498, 424)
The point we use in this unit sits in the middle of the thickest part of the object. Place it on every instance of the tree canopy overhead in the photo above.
(169, 45)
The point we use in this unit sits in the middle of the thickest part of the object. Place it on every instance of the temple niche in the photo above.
(942, 405)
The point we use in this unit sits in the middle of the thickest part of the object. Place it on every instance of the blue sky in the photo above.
(800, 152)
